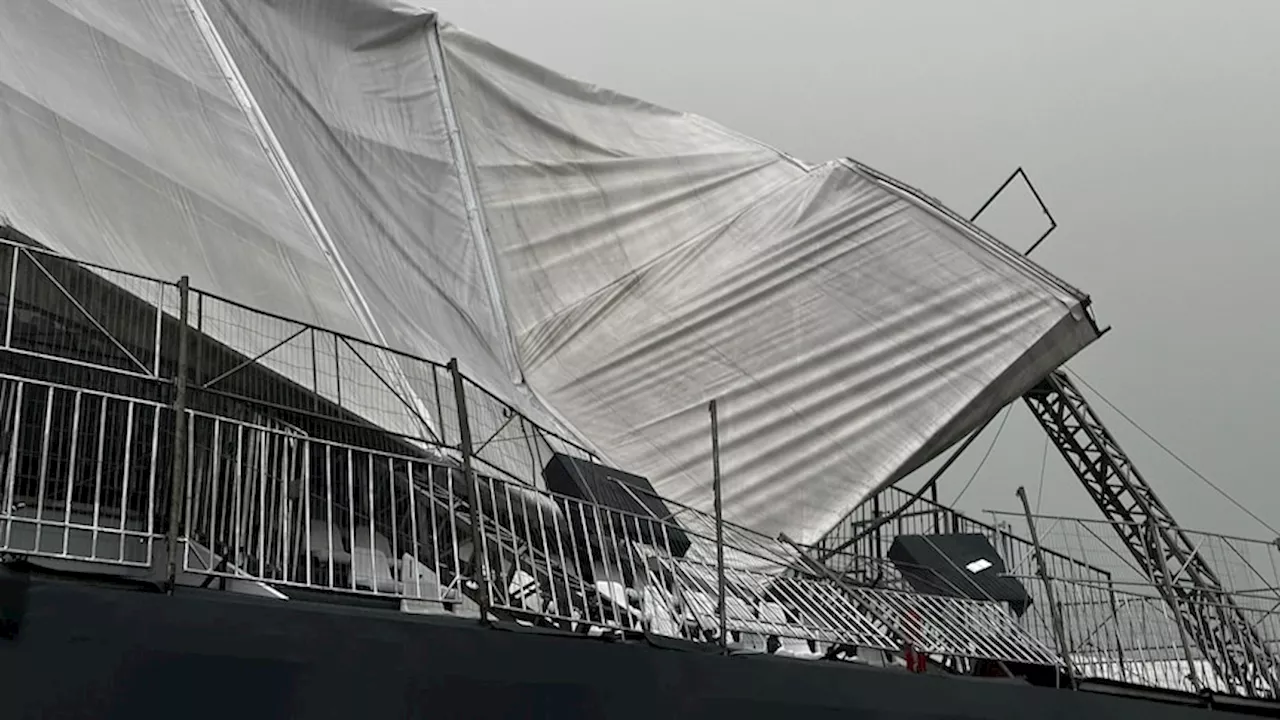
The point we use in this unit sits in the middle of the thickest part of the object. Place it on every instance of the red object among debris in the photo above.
(917, 661)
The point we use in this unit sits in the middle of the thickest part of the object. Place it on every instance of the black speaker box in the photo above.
(616, 490)
(957, 566)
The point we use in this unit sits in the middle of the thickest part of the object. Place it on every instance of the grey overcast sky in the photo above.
(1150, 127)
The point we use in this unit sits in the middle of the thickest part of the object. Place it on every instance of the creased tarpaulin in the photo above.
(590, 257)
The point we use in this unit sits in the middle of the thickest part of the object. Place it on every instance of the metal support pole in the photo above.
(1115, 622)
(178, 473)
(877, 538)
(933, 498)
(1055, 611)
(479, 556)
(715, 487)
(1156, 554)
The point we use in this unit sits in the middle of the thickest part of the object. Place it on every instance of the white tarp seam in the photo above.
(471, 198)
(301, 199)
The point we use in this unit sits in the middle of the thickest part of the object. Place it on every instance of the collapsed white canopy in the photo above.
(357, 165)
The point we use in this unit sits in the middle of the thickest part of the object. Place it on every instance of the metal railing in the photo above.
(1124, 629)
(315, 462)
(83, 473)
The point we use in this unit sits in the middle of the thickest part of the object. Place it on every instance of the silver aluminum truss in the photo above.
(1200, 602)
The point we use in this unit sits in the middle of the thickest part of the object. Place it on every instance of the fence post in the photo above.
(178, 474)
(877, 538)
(1055, 611)
(719, 507)
(1115, 622)
(479, 553)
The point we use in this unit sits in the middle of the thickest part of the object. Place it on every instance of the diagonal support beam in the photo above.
(1201, 604)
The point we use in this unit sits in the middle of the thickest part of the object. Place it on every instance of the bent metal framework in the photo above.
(446, 332)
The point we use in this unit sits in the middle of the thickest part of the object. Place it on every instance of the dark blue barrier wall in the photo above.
(100, 652)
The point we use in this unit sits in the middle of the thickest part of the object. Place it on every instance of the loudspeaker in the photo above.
(957, 566)
(616, 490)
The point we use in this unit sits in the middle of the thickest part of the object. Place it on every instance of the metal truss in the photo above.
(1200, 603)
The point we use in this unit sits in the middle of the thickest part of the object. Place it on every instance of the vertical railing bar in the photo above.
(396, 560)
(618, 606)
(373, 518)
(479, 554)
(42, 478)
(565, 568)
(719, 508)
(548, 559)
(565, 564)
(13, 301)
(604, 561)
(435, 382)
(153, 470)
(315, 369)
(337, 369)
(675, 592)
(496, 577)
(9, 390)
(351, 516)
(517, 551)
(626, 558)
(264, 457)
(435, 529)
(189, 516)
(178, 471)
(530, 548)
(284, 463)
(97, 481)
(632, 552)
(126, 471)
(308, 550)
(215, 487)
(602, 614)
(199, 363)
(455, 546)
(1055, 613)
(237, 500)
(411, 470)
(331, 581)
(155, 365)
(296, 544)
(71, 472)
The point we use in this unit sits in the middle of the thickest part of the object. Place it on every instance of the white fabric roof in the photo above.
(357, 165)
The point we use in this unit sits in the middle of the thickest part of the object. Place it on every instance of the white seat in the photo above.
(658, 614)
(371, 570)
(320, 547)
(361, 538)
(775, 613)
(421, 582)
(739, 615)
